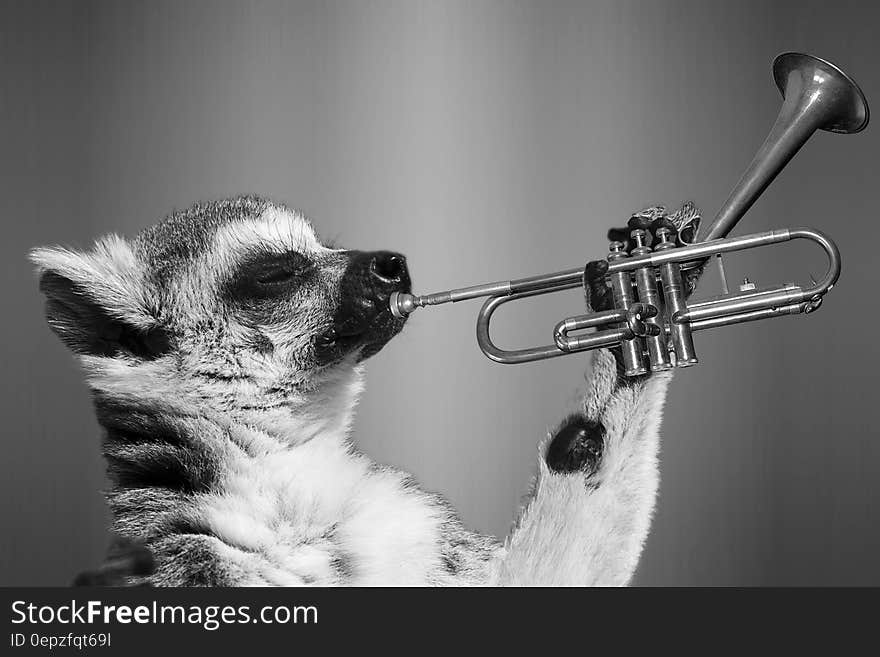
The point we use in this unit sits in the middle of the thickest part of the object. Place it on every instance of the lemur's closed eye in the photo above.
(271, 274)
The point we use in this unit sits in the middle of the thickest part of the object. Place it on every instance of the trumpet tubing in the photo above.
(653, 321)
(682, 318)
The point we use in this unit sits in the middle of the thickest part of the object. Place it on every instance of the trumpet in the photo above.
(652, 320)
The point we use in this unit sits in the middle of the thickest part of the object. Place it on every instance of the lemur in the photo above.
(224, 348)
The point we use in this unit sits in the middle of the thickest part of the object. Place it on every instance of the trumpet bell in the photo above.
(818, 96)
(801, 76)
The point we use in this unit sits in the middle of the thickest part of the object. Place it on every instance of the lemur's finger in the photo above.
(619, 235)
(598, 293)
(639, 221)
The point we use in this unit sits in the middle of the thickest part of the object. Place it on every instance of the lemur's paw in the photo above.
(125, 559)
(577, 446)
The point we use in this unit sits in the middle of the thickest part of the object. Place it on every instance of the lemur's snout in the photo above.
(363, 319)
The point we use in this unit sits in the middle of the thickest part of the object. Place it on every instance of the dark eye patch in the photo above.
(266, 275)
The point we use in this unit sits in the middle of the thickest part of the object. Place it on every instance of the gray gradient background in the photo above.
(485, 140)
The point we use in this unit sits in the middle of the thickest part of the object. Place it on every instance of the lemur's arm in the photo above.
(589, 513)
(594, 494)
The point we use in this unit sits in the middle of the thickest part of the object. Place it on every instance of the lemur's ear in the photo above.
(97, 302)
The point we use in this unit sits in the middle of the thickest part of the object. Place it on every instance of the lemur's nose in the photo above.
(388, 267)
(377, 273)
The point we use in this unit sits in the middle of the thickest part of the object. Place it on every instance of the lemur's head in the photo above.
(236, 302)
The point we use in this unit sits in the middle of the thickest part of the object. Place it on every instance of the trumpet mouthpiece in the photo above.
(402, 304)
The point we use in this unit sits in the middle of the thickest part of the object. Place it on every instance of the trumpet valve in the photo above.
(646, 283)
(664, 238)
(638, 236)
(636, 316)
(624, 299)
(615, 248)
(674, 293)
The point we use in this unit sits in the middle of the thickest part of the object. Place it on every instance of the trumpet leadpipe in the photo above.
(403, 303)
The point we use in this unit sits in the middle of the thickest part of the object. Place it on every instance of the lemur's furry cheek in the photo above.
(577, 446)
(363, 319)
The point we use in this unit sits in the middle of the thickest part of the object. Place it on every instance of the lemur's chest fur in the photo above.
(317, 514)
(271, 495)
(222, 502)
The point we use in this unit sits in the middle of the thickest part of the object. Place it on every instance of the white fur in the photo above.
(276, 228)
